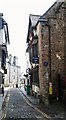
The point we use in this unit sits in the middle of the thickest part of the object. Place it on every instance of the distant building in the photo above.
(13, 72)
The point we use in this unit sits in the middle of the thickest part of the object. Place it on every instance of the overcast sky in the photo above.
(16, 13)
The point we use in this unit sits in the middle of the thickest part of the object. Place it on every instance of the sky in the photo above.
(16, 13)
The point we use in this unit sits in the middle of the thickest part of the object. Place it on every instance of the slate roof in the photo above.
(33, 19)
(51, 12)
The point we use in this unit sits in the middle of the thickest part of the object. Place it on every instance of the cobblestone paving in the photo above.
(19, 109)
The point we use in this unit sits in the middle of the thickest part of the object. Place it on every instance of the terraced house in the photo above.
(32, 40)
(13, 71)
(4, 41)
(51, 35)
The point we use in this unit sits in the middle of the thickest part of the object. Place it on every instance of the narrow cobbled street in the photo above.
(19, 108)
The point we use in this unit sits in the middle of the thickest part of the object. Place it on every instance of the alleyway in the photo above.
(19, 108)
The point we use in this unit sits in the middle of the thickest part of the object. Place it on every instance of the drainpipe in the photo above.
(50, 80)
(49, 53)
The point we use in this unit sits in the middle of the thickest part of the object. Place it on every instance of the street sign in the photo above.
(35, 60)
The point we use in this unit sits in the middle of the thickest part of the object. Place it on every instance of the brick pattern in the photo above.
(64, 13)
(43, 57)
(58, 49)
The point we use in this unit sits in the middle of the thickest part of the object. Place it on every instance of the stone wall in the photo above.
(57, 22)
(57, 49)
(43, 57)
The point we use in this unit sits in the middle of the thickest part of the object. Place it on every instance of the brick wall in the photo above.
(64, 13)
(57, 49)
(57, 23)
(43, 57)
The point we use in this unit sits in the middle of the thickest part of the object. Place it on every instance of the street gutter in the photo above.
(33, 106)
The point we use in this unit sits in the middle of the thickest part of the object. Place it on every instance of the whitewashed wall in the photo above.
(13, 73)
